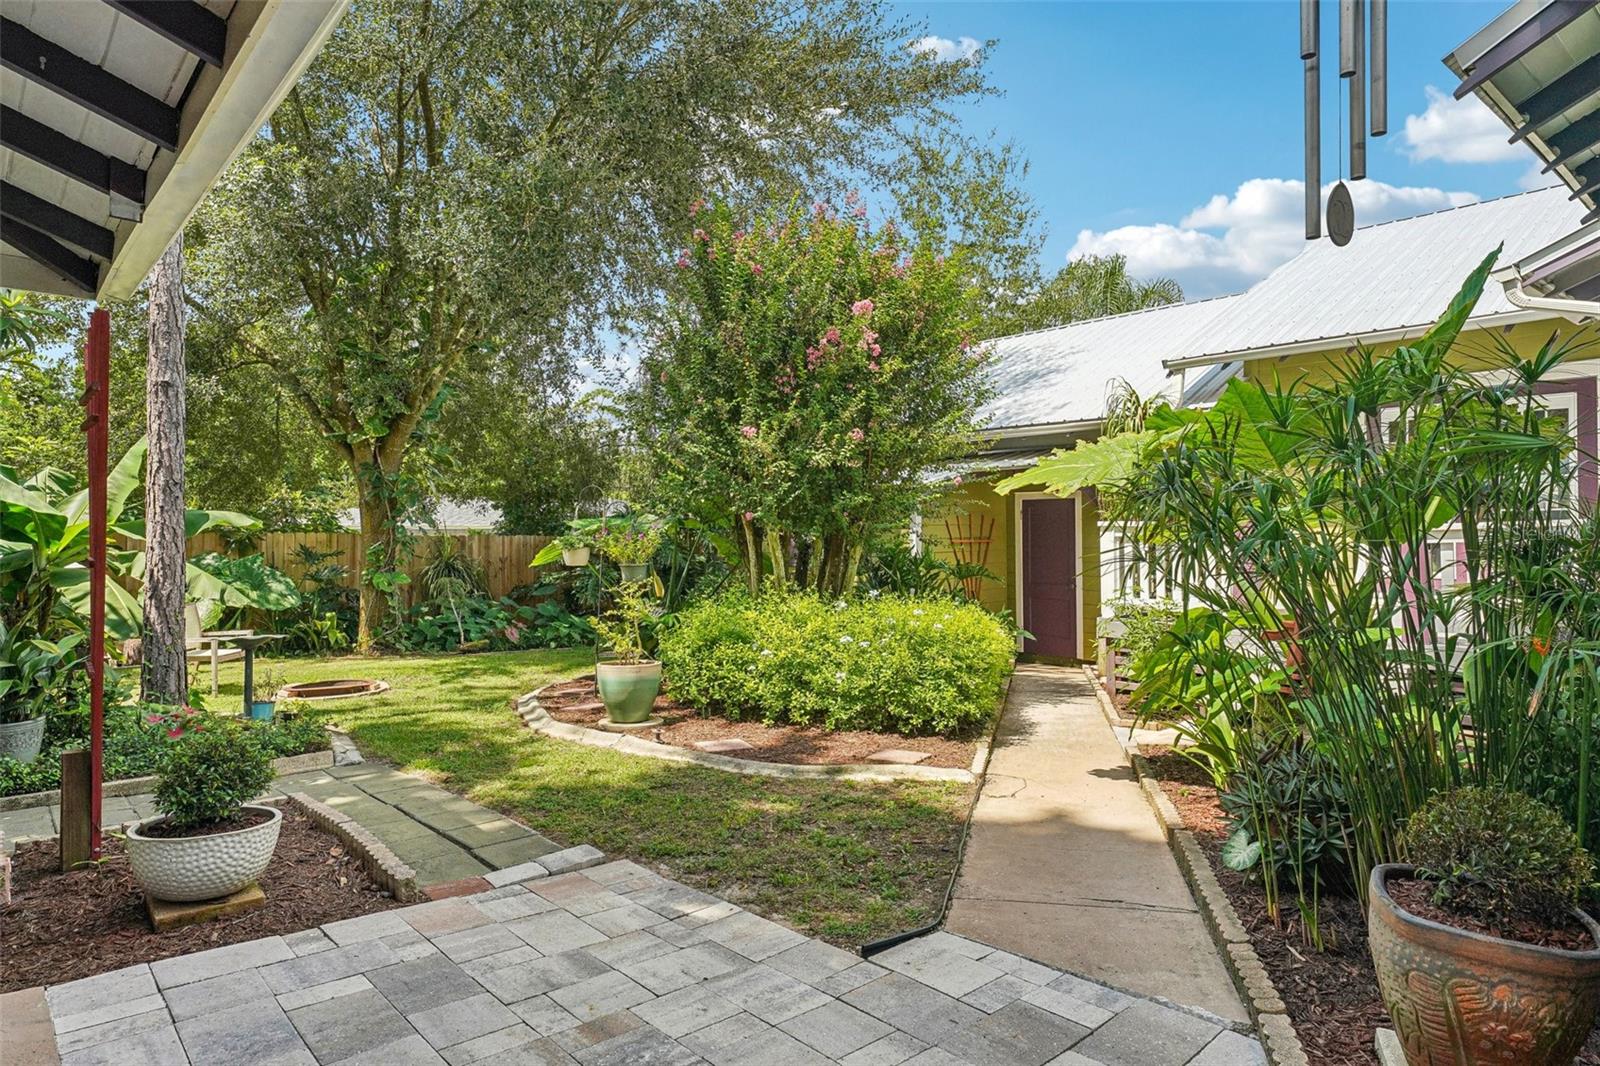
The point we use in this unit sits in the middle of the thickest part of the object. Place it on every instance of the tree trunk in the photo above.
(376, 532)
(164, 676)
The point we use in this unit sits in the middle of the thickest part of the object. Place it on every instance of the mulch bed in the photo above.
(63, 926)
(577, 703)
(1332, 995)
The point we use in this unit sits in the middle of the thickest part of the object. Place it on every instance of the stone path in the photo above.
(440, 835)
(610, 966)
(1067, 862)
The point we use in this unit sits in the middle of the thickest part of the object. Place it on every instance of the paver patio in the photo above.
(613, 965)
(440, 835)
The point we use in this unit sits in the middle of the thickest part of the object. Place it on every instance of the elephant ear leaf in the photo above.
(1240, 852)
(247, 582)
(123, 615)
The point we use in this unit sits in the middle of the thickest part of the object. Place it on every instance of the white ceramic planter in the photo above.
(183, 869)
(21, 740)
(575, 556)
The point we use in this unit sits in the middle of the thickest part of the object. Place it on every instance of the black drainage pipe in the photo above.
(871, 948)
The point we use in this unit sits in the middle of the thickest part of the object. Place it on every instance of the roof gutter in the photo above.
(1382, 336)
(1042, 429)
(1576, 310)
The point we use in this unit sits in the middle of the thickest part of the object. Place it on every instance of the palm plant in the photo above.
(1302, 524)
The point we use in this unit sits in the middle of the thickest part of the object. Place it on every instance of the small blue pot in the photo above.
(261, 710)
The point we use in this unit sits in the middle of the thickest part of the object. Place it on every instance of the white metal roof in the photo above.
(449, 516)
(1062, 375)
(1391, 280)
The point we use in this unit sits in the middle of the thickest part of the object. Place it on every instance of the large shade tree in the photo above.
(453, 182)
(1088, 287)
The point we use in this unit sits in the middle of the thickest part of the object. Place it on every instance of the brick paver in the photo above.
(613, 965)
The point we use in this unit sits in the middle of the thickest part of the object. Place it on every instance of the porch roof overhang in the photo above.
(116, 118)
(1537, 67)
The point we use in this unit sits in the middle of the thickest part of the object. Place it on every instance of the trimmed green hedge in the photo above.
(889, 663)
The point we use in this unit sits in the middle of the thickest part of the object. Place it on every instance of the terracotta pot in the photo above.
(628, 690)
(182, 869)
(1289, 637)
(1459, 998)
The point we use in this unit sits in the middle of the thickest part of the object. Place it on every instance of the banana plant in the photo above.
(44, 547)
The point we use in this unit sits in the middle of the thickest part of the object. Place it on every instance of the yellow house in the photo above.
(1054, 563)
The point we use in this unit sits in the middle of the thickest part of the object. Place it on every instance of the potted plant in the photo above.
(264, 693)
(209, 841)
(628, 682)
(1481, 951)
(631, 547)
(28, 669)
(575, 548)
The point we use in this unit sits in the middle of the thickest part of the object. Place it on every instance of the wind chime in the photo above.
(1368, 77)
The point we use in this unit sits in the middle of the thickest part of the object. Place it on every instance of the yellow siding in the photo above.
(953, 515)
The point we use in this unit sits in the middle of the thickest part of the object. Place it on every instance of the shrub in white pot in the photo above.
(209, 841)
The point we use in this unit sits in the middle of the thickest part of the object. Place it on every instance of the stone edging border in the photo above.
(535, 717)
(133, 786)
(1250, 977)
(383, 865)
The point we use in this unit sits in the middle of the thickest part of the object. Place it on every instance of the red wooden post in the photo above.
(97, 375)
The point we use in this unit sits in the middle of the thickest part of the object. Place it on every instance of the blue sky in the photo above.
(1165, 130)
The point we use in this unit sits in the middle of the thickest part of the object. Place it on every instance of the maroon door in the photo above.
(1050, 577)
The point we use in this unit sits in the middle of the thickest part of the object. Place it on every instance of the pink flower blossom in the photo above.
(853, 197)
(858, 434)
(873, 366)
(748, 431)
(175, 733)
(819, 208)
(958, 479)
(860, 212)
(749, 516)
(699, 234)
(755, 268)
(813, 358)
(831, 337)
(861, 308)
(683, 261)
(696, 207)
(876, 350)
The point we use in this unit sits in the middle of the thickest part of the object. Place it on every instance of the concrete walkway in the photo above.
(611, 966)
(1066, 862)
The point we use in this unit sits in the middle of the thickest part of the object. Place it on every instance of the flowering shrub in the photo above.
(812, 372)
(877, 662)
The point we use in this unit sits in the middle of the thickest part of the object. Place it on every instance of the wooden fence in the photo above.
(505, 559)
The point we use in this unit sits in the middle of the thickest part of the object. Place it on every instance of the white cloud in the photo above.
(1230, 242)
(944, 49)
(1533, 178)
(1457, 131)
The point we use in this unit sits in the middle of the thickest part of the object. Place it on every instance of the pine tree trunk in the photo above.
(164, 676)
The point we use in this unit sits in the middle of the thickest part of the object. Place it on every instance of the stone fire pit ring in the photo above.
(338, 689)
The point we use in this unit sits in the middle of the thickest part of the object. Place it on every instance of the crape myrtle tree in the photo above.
(459, 182)
(813, 372)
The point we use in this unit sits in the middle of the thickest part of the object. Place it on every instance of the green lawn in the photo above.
(846, 861)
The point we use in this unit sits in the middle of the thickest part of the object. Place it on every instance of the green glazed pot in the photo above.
(628, 689)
